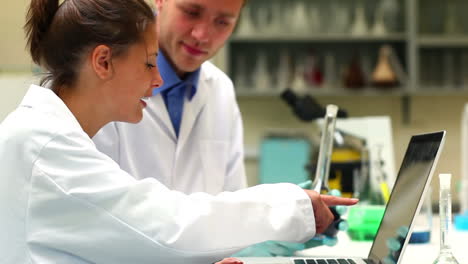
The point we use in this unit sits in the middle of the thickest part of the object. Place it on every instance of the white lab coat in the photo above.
(207, 157)
(62, 201)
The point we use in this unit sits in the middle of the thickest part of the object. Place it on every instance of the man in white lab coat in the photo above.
(191, 135)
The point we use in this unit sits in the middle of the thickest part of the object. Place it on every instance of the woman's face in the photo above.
(135, 76)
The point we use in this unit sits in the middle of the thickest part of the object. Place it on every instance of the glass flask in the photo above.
(445, 211)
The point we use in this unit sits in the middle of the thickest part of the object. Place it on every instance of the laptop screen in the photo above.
(413, 178)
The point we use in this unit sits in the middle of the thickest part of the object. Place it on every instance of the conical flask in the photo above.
(298, 84)
(353, 76)
(383, 75)
(379, 28)
(245, 26)
(359, 26)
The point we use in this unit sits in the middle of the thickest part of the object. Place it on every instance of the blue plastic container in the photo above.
(461, 221)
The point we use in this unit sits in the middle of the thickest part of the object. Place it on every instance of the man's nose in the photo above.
(202, 32)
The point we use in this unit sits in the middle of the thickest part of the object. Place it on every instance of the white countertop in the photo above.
(414, 253)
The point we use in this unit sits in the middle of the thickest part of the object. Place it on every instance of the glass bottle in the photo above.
(284, 74)
(445, 211)
(261, 72)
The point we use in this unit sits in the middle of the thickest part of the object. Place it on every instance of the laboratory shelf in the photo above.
(325, 91)
(421, 41)
(442, 41)
(320, 37)
(440, 91)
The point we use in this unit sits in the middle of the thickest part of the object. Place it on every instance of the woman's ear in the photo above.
(101, 62)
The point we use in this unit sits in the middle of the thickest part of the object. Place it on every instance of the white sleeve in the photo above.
(107, 141)
(83, 204)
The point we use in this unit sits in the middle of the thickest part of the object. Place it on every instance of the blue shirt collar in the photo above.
(171, 79)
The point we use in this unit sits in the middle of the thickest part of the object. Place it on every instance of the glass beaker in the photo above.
(423, 221)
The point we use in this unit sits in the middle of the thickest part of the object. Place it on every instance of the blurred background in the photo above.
(401, 61)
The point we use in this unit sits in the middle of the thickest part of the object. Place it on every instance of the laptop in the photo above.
(413, 179)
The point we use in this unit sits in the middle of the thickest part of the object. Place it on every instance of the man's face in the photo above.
(192, 31)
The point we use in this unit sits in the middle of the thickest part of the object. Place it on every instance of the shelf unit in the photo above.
(321, 37)
(414, 43)
(442, 41)
(420, 43)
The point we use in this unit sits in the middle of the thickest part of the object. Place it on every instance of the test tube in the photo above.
(445, 211)
(326, 146)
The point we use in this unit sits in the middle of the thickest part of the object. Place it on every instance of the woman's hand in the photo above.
(230, 261)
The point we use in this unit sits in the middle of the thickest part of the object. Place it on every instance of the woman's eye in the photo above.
(150, 66)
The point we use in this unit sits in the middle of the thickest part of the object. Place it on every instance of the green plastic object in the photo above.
(364, 221)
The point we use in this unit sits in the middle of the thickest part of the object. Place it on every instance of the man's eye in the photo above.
(191, 13)
(222, 22)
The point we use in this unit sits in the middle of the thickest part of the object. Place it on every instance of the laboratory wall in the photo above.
(13, 57)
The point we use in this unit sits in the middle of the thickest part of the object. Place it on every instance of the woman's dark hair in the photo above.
(59, 35)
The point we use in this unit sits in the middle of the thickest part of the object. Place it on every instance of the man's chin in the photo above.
(191, 67)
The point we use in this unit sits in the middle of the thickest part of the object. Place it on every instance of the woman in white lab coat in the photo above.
(62, 201)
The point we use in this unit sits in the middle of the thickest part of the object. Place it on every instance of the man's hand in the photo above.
(320, 202)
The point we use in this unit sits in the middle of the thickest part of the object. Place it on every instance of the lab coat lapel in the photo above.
(192, 110)
(161, 114)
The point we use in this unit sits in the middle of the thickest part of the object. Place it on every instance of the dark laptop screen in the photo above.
(415, 171)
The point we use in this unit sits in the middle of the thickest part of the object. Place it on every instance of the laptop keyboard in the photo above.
(324, 261)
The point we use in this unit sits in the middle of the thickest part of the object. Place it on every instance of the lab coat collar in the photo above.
(192, 109)
(45, 100)
(171, 79)
(157, 110)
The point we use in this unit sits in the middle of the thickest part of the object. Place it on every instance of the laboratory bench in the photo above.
(414, 253)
